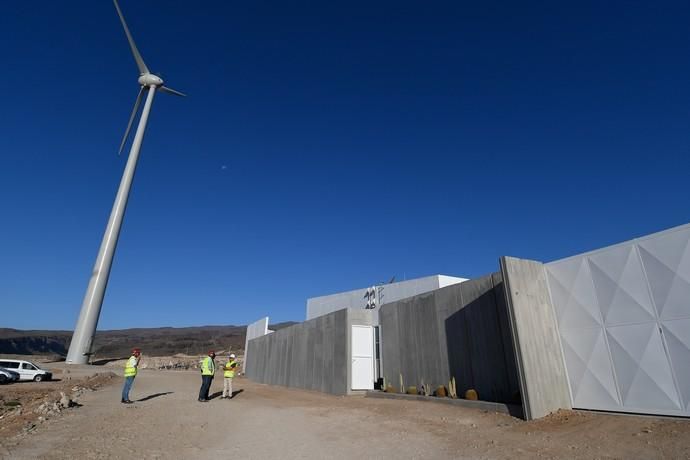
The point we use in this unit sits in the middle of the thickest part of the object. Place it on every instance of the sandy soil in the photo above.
(263, 421)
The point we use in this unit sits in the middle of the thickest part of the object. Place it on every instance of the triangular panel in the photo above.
(620, 286)
(671, 249)
(643, 370)
(677, 334)
(589, 368)
(667, 262)
(678, 300)
(574, 363)
(594, 395)
(573, 299)
(660, 278)
(626, 361)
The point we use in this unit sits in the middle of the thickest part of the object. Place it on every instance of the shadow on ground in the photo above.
(220, 393)
(155, 395)
(103, 362)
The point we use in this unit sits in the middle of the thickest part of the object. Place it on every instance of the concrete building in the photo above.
(372, 298)
(604, 330)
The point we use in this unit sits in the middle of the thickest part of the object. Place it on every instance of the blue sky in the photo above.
(327, 146)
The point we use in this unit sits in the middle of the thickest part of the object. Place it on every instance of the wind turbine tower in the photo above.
(84, 331)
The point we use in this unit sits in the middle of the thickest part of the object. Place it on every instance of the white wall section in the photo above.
(623, 314)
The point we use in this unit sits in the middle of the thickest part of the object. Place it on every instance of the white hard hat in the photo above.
(232, 355)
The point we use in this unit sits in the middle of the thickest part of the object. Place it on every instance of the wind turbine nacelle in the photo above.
(148, 79)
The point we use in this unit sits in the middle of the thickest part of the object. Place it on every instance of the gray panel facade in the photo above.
(623, 315)
(539, 359)
(314, 355)
(458, 331)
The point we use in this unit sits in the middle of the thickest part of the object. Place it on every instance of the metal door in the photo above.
(362, 358)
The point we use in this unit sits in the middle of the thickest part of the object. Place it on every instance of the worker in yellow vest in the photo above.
(228, 375)
(130, 372)
(208, 370)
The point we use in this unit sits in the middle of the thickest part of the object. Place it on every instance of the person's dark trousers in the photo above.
(205, 387)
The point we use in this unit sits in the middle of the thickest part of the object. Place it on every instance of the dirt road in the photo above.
(273, 422)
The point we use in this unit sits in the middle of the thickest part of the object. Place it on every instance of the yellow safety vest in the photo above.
(131, 367)
(230, 369)
(208, 367)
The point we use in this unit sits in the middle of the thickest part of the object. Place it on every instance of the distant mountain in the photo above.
(162, 341)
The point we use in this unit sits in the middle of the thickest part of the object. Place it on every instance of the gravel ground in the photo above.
(274, 422)
(24, 406)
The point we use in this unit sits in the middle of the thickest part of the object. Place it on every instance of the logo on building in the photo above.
(370, 295)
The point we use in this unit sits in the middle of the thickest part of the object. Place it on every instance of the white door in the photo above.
(362, 358)
(27, 371)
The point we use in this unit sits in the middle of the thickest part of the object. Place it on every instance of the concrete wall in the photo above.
(314, 355)
(385, 293)
(459, 331)
(496, 334)
(541, 369)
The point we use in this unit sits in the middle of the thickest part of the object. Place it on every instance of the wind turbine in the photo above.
(84, 331)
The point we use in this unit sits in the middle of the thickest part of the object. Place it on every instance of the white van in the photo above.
(26, 369)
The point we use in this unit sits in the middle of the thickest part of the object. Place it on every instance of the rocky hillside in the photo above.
(162, 341)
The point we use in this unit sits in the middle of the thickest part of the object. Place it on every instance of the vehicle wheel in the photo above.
(3, 379)
(38, 378)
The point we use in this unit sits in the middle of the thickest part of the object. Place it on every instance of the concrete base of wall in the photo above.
(510, 409)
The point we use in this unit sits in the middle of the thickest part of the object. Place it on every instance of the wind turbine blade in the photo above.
(137, 57)
(131, 119)
(165, 89)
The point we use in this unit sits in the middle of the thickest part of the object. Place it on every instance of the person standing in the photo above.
(228, 375)
(208, 370)
(130, 372)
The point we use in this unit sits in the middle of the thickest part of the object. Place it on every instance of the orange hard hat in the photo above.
(136, 350)
(212, 353)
